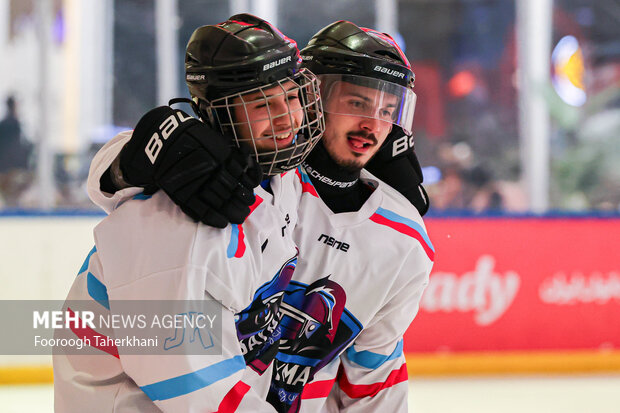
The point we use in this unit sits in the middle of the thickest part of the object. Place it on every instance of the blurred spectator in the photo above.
(449, 193)
(485, 196)
(14, 155)
(468, 184)
(10, 136)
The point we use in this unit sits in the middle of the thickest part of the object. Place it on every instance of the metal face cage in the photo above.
(281, 122)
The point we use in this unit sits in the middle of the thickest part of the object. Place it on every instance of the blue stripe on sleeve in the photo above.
(304, 176)
(97, 290)
(234, 241)
(187, 383)
(372, 360)
(141, 197)
(392, 216)
(84, 266)
(304, 361)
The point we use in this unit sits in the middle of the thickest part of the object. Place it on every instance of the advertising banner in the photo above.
(520, 284)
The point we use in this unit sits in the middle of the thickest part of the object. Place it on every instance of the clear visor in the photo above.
(281, 121)
(368, 97)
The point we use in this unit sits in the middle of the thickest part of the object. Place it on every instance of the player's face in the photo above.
(352, 140)
(270, 117)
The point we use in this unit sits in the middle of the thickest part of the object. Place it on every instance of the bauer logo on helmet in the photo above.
(192, 77)
(391, 72)
(276, 63)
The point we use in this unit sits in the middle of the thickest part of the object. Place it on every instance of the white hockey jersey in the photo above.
(147, 249)
(355, 291)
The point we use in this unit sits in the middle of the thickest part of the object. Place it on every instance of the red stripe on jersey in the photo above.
(318, 389)
(258, 366)
(356, 391)
(87, 333)
(241, 237)
(256, 203)
(306, 186)
(233, 398)
(407, 230)
(241, 243)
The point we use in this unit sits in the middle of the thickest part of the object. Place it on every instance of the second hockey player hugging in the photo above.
(328, 335)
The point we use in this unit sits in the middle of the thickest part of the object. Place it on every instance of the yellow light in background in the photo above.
(569, 71)
(574, 70)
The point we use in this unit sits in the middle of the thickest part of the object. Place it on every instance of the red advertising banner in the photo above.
(502, 284)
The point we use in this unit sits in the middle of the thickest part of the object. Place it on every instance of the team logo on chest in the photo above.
(258, 326)
(316, 327)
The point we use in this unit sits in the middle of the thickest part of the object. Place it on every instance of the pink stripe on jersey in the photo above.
(240, 244)
(233, 398)
(407, 230)
(258, 366)
(87, 333)
(356, 391)
(256, 203)
(241, 235)
(318, 389)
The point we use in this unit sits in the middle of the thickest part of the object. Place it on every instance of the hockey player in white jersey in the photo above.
(365, 256)
(361, 243)
(148, 249)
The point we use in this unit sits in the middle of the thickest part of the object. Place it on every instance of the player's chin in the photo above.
(361, 157)
(351, 163)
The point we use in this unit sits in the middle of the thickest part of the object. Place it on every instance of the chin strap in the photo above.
(190, 102)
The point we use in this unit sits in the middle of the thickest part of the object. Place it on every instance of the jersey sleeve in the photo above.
(149, 250)
(373, 372)
(100, 163)
(190, 383)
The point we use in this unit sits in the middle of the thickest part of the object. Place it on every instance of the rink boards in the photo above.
(506, 295)
(520, 294)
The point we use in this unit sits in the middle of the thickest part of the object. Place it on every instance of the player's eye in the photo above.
(260, 103)
(356, 104)
(386, 113)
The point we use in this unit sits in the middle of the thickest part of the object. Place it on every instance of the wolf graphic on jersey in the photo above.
(316, 327)
(258, 325)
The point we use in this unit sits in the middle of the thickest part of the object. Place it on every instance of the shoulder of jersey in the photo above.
(152, 208)
(392, 199)
(397, 213)
(288, 176)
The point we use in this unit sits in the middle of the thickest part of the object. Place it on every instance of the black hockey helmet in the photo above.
(343, 51)
(239, 54)
(246, 55)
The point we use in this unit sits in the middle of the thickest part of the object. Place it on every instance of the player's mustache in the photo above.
(364, 135)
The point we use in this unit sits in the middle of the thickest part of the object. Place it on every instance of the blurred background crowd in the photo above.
(71, 78)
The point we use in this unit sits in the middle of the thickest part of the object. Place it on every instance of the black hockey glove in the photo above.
(195, 165)
(396, 164)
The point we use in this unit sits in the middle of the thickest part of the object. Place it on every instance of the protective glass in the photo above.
(368, 97)
(281, 121)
